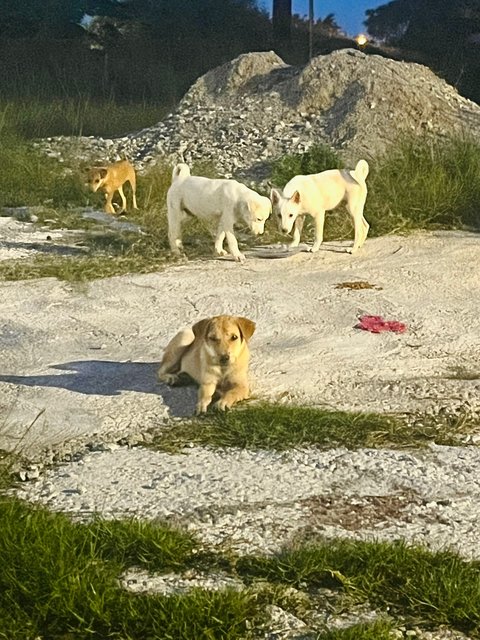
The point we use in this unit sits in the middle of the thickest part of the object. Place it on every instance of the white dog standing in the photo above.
(319, 192)
(227, 200)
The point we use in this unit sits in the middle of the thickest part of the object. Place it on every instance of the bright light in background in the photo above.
(361, 39)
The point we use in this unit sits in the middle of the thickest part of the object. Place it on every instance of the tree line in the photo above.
(152, 50)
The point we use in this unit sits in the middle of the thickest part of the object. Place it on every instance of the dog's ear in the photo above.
(103, 172)
(246, 326)
(200, 328)
(295, 198)
(274, 196)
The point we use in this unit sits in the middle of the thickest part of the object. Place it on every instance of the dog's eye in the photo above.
(214, 338)
(234, 337)
(291, 215)
(259, 220)
(279, 215)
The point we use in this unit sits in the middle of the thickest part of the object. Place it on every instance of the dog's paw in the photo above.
(201, 408)
(221, 252)
(313, 249)
(169, 378)
(240, 257)
(222, 405)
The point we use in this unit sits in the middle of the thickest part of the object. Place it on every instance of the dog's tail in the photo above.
(180, 170)
(361, 170)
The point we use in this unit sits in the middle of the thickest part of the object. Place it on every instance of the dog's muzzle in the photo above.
(225, 359)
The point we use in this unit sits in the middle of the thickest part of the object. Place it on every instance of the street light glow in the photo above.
(361, 39)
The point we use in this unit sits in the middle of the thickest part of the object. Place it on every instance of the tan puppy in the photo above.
(317, 193)
(112, 178)
(214, 352)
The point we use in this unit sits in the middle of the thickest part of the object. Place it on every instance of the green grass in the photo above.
(425, 184)
(278, 427)
(59, 579)
(418, 184)
(41, 118)
(379, 630)
(433, 588)
(318, 158)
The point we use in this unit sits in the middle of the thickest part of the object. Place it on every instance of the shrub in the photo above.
(318, 158)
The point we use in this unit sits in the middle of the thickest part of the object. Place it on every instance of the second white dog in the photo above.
(319, 192)
(227, 200)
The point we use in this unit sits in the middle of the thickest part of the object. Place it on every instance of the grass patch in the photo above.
(30, 178)
(269, 426)
(433, 588)
(439, 186)
(59, 579)
(379, 630)
(38, 118)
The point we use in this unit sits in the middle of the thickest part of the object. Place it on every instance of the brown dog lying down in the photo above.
(214, 352)
(111, 178)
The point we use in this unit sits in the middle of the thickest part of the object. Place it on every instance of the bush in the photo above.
(318, 158)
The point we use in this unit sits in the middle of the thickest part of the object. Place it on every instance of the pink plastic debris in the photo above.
(377, 324)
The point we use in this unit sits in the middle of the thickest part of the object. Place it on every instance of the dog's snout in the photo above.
(285, 229)
(224, 358)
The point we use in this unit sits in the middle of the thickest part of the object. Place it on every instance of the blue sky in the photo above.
(349, 14)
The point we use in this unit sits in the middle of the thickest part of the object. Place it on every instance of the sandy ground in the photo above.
(78, 362)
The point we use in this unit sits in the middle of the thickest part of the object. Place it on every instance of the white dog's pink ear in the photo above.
(296, 197)
(200, 328)
(246, 326)
(274, 196)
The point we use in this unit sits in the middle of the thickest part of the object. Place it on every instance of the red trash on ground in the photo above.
(377, 324)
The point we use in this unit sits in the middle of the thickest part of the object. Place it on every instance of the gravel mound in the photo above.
(255, 108)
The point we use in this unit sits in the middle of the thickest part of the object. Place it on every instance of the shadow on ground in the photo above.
(109, 378)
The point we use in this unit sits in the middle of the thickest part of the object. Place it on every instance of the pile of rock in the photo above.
(255, 108)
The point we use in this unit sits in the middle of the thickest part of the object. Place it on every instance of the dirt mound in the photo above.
(252, 109)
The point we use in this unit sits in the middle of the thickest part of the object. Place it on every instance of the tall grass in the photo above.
(42, 118)
(59, 579)
(420, 183)
(425, 183)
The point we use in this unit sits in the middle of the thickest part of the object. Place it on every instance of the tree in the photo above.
(29, 18)
(443, 33)
(438, 27)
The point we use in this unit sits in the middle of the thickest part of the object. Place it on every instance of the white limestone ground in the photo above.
(256, 502)
(79, 362)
